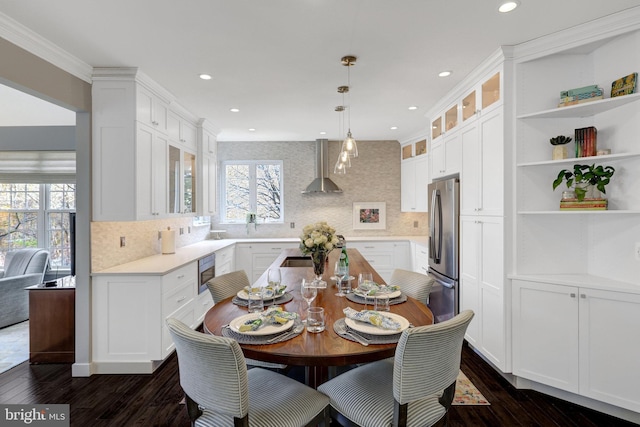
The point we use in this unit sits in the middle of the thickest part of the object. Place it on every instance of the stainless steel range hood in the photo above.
(322, 183)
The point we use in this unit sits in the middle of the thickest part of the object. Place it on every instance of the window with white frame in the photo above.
(37, 216)
(252, 186)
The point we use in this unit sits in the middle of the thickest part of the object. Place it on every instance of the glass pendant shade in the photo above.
(349, 145)
(340, 168)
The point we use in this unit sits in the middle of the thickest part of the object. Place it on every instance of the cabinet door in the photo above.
(408, 186)
(151, 110)
(545, 334)
(209, 182)
(470, 170)
(609, 347)
(189, 182)
(421, 183)
(469, 275)
(150, 173)
(491, 132)
(453, 152)
(437, 160)
(244, 261)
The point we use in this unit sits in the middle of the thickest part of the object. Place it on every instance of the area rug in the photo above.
(14, 345)
(467, 393)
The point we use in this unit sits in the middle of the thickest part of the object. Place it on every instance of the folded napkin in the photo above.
(268, 291)
(272, 316)
(372, 317)
(371, 289)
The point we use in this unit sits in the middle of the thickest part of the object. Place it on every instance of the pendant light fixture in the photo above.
(349, 144)
(343, 161)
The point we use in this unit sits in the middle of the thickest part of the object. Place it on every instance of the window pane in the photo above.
(18, 230)
(59, 242)
(268, 179)
(237, 190)
(20, 196)
(62, 196)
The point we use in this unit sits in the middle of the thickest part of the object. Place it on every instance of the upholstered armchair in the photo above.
(22, 268)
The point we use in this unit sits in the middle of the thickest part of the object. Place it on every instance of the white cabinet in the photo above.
(225, 260)
(207, 190)
(129, 314)
(182, 131)
(182, 182)
(151, 110)
(129, 156)
(446, 155)
(256, 258)
(384, 257)
(414, 178)
(420, 258)
(577, 339)
(482, 288)
(482, 170)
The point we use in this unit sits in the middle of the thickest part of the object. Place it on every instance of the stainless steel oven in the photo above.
(206, 271)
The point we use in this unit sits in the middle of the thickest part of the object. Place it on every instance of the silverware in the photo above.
(296, 329)
(342, 330)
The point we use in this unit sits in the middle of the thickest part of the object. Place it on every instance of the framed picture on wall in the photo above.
(369, 215)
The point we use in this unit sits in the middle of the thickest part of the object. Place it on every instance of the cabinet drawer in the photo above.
(225, 268)
(185, 315)
(368, 247)
(177, 278)
(224, 256)
(174, 300)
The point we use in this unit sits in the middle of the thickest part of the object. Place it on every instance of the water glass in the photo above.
(381, 300)
(274, 278)
(315, 319)
(256, 301)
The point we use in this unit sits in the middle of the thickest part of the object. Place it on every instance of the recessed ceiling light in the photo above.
(234, 110)
(252, 130)
(205, 76)
(444, 73)
(505, 6)
(393, 127)
(413, 107)
(322, 132)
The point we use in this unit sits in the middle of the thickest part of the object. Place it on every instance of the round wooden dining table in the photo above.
(318, 351)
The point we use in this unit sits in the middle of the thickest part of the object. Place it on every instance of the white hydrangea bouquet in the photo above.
(318, 240)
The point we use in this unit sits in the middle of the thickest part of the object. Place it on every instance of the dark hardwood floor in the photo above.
(154, 400)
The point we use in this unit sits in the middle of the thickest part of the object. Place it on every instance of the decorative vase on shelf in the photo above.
(319, 259)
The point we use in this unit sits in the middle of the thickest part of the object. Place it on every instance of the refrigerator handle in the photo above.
(438, 252)
(432, 210)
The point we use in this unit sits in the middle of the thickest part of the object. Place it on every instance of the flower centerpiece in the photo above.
(318, 240)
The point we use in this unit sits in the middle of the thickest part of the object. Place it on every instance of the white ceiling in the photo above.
(278, 61)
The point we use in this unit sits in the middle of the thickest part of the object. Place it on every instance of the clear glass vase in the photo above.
(319, 259)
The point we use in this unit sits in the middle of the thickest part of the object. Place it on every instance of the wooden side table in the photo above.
(52, 322)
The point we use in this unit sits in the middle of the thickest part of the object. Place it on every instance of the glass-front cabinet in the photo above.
(451, 117)
(182, 181)
(491, 91)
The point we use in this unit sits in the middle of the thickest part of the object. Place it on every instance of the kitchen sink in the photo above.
(297, 261)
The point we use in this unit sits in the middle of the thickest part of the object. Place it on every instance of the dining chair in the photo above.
(221, 392)
(415, 285)
(415, 388)
(228, 285)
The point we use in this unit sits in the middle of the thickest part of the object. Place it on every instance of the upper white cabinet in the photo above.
(208, 160)
(182, 131)
(129, 156)
(182, 172)
(445, 144)
(414, 178)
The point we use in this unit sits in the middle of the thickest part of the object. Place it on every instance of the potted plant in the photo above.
(559, 148)
(584, 176)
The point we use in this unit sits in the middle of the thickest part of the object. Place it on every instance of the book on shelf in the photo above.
(624, 86)
(585, 204)
(566, 102)
(579, 91)
(586, 140)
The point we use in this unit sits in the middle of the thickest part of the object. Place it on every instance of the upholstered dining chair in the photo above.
(221, 392)
(228, 285)
(415, 388)
(415, 285)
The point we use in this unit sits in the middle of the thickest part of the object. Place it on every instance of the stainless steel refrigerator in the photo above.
(444, 226)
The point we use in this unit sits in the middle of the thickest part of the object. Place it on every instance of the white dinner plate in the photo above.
(368, 328)
(394, 294)
(263, 330)
(242, 294)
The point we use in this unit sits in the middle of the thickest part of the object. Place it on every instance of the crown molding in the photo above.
(37, 45)
(581, 37)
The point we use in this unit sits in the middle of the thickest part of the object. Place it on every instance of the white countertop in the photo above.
(161, 264)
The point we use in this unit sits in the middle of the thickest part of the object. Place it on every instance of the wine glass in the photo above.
(364, 283)
(273, 279)
(308, 292)
(341, 271)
